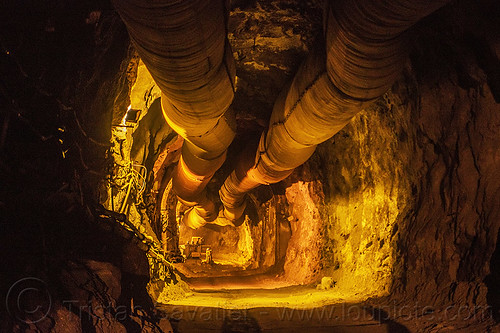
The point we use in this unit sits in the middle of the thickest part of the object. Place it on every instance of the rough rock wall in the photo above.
(64, 68)
(449, 237)
(411, 186)
(269, 39)
(353, 193)
(303, 254)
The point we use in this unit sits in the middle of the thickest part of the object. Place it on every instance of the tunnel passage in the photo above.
(186, 51)
(281, 242)
(403, 202)
(184, 47)
(280, 232)
(335, 223)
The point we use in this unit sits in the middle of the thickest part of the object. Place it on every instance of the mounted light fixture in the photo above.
(132, 115)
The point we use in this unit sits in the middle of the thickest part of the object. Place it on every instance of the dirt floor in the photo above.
(265, 303)
(342, 317)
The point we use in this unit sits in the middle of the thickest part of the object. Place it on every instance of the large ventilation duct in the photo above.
(364, 55)
(184, 46)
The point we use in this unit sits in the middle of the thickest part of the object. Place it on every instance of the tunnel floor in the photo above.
(193, 269)
(303, 309)
(260, 290)
(336, 318)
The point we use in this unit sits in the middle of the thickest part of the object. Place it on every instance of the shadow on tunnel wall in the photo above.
(493, 282)
(383, 318)
(236, 323)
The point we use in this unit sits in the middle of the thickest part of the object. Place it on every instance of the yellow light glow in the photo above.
(359, 225)
(362, 229)
(124, 122)
(188, 173)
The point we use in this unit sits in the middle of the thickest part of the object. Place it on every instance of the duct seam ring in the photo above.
(309, 86)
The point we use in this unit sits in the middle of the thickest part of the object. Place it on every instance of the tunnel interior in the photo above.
(391, 225)
(278, 243)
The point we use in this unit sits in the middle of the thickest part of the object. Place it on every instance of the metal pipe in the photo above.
(361, 57)
(185, 48)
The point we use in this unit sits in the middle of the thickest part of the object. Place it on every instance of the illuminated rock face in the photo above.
(359, 182)
(406, 192)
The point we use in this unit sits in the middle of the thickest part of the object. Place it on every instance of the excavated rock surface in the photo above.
(421, 163)
(403, 201)
(65, 67)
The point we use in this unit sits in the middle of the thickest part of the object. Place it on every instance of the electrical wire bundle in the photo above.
(131, 176)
